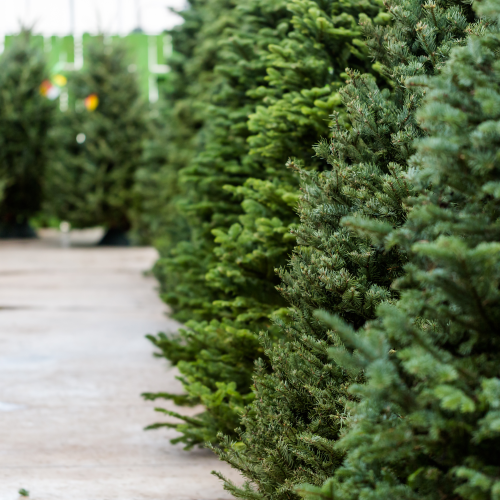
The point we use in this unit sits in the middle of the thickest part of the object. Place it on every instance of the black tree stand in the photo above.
(115, 237)
(17, 230)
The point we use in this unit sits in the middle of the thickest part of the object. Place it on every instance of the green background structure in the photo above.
(147, 54)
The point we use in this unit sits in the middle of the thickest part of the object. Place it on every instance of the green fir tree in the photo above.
(289, 433)
(98, 145)
(26, 117)
(216, 357)
(240, 243)
(227, 48)
(156, 219)
(175, 121)
(426, 426)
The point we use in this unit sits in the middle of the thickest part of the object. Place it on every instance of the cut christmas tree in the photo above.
(427, 423)
(175, 122)
(226, 275)
(289, 432)
(215, 356)
(26, 116)
(98, 145)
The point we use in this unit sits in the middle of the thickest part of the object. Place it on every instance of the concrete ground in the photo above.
(73, 363)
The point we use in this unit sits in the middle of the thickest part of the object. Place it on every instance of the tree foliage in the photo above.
(215, 356)
(96, 152)
(426, 424)
(289, 433)
(244, 203)
(175, 138)
(25, 119)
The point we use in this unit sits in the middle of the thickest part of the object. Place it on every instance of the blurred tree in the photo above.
(98, 145)
(175, 124)
(26, 117)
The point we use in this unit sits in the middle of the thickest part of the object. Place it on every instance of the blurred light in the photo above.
(80, 138)
(48, 90)
(91, 102)
(60, 80)
(65, 227)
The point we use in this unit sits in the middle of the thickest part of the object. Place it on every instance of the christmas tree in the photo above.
(289, 432)
(99, 144)
(426, 425)
(26, 116)
(216, 357)
(195, 83)
(229, 282)
(175, 122)
(155, 217)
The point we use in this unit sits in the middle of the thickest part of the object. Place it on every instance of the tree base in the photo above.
(114, 238)
(17, 231)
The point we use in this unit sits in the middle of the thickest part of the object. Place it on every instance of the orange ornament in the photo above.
(91, 102)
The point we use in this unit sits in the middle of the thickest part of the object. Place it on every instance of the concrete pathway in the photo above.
(73, 362)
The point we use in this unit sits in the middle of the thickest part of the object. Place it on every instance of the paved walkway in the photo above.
(73, 362)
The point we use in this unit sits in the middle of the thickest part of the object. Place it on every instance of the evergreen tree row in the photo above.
(322, 181)
(77, 165)
(302, 402)
(397, 221)
(425, 424)
(280, 65)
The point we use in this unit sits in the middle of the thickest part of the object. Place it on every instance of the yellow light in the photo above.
(60, 80)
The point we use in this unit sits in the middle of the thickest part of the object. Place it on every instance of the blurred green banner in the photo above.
(148, 55)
